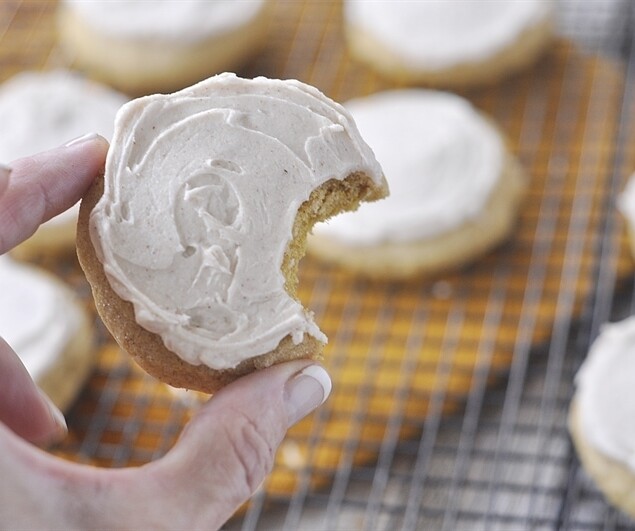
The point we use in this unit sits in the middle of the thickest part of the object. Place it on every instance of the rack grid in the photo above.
(450, 394)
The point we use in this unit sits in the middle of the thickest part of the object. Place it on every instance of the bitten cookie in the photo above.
(47, 327)
(602, 414)
(455, 188)
(40, 111)
(447, 43)
(192, 239)
(157, 46)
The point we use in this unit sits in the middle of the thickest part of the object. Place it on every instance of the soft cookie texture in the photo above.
(158, 46)
(47, 327)
(448, 43)
(602, 414)
(192, 239)
(43, 110)
(455, 188)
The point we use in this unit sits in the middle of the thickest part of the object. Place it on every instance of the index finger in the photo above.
(34, 189)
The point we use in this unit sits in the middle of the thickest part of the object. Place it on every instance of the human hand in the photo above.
(223, 454)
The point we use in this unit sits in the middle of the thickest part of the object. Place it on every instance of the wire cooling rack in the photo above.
(450, 395)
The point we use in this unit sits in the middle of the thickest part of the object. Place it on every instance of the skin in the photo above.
(220, 459)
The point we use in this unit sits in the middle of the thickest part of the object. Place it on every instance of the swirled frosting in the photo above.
(202, 188)
(438, 34)
(605, 392)
(443, 160)
(176, 21)
(38, 317)
(42, 110)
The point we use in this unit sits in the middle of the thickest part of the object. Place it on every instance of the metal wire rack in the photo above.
(450, 395)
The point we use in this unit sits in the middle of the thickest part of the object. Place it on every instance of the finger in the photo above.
(23, 407)
(34, 189)
(229, 446)
(220, 459)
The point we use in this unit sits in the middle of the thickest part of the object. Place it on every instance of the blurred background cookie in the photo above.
(42, 320)
(602, 413)
(447, 43)
(40, 111)
(454, 188)
(155, 46)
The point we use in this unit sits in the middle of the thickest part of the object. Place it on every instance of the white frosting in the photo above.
(38, 317)
(202, 190)
(626, 201)
(437, 34)
(605, 392)
(42, 110)
(173, 20)
(442, 160)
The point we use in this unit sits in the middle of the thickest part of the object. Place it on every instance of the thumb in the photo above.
(228, 448)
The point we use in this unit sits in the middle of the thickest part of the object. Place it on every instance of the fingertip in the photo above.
(284, 393)
(305, 391)
(24, 408)
(41, 186)
(89, 150)
(88, 138)
(57, 427)
(5, 175)
(323, 378)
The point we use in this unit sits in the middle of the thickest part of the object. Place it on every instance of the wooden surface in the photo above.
(402, 355)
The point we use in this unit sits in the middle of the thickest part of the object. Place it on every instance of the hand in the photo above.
(223, 454)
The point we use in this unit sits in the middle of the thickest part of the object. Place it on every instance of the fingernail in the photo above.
(81, 139)
(5, 175)
(56, 415)
(305, 391)
(5, 171)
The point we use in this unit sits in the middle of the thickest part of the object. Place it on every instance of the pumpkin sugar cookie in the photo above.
(192, 239)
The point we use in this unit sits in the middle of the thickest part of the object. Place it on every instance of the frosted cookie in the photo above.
(191, 241)
(602, 414)
(626, 206)
(454, 188)
(158, 46)
(40, 111)
(46, 326)
(448, 42)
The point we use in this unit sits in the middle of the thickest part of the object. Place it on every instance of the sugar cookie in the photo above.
(455, 188)
(191, 242)
(602, 414)
(157, 46)
(447, 43)
(44, 323)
